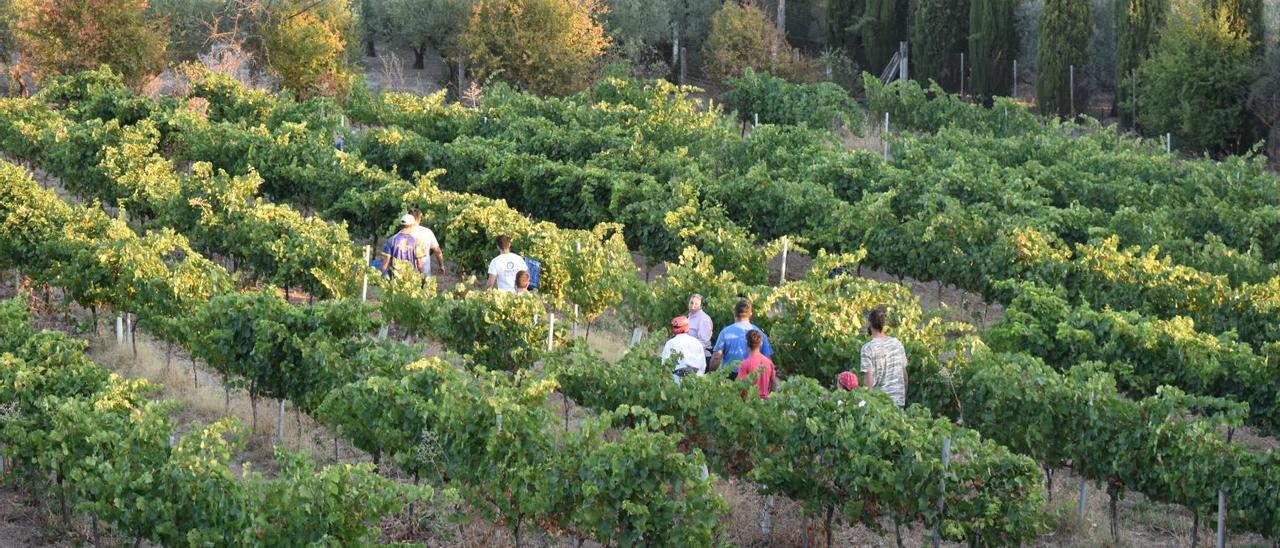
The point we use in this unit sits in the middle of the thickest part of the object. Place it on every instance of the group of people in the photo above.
(409, 252)
(744, 350)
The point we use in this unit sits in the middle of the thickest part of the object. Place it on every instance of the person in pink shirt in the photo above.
(767, 380)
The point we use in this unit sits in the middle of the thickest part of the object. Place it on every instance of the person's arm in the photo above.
(439, 258)
(716, 360)
(493, 275)
(765, 347)
(773, 378)
(868, 373)
(386, 256)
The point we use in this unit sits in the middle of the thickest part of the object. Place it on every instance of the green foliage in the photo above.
(61, 37)
(884, 24)
(1243, 17)
(778, 101)
(1138, 25)
(993, 45)
(1195, 82)
(1066, 27)
(939, 32)
(1143, 353)
(1101, 68)
(852, 451)
(843, 18)
(101, 444)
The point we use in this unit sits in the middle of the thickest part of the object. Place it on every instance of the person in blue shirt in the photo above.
(731, 345)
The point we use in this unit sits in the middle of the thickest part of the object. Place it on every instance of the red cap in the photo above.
(848, 380)
(680, 324)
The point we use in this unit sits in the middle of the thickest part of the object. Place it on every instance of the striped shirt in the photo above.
(886, 359)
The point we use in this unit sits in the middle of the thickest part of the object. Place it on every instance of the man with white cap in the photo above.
(686, 348)
(404, 253)
(428, 239)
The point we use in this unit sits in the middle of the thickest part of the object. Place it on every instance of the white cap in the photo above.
(407, 220)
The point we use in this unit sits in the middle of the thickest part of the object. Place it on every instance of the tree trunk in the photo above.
(419, 57)
(831, 509)
(782, 17)
(369, 50)
(133, 337)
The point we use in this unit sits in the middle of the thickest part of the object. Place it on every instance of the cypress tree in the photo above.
(1065, 29)
(1138, 24)
(939, 32)
(1242, 16)
(843, 17)
(993, 43)
(883, 25)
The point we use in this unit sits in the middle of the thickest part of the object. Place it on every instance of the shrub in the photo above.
(67, 36)
(778, 101)
(743, 37)
(549, 47)
(1193, 85)
(307, 47)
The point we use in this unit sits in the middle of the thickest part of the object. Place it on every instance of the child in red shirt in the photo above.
(767, 380)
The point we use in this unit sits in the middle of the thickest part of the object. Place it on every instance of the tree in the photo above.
(1243, 16)
(68, 36)
(1101, 65)
(1264, 102)
(189, 24)
(883, 25)
(1065, 29)
(1195, 83)
(993, 43)
(545, 46)
(743, 37)
(640, 27)
(419, 24)
(306, 45)
(843, 18)
(373, 25)
(1138, 24)
(939, 31)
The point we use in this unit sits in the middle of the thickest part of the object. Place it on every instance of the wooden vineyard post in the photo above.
(119, 330)
(884, 136)
(1072, 88)
(551, 330)
(942, 490)
(280, 424)
(364, 286)
(1222, 504)
(1084, 497)
(1015, 79)
(786, 246)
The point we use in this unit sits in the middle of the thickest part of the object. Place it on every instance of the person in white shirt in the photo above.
(687, 348)
(428, 239)
(504, 267)
(700, 325)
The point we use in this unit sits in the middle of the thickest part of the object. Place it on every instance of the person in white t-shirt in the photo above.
(687, 347)
(504, 267)
(428, 239)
